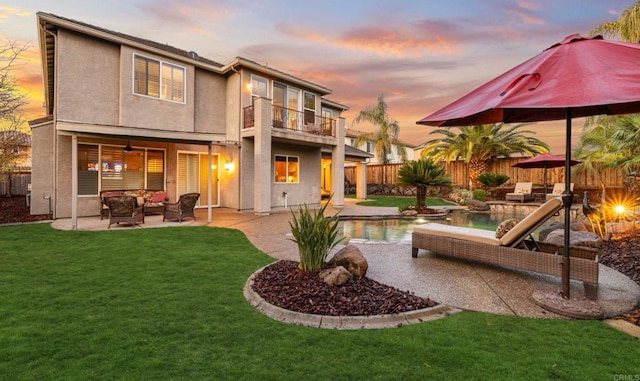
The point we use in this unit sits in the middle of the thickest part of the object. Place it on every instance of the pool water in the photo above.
(400, 229)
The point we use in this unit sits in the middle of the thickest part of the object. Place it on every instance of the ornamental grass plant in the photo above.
(315, 235)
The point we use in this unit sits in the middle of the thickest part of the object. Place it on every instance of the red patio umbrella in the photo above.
(544, 161)
(578, 77)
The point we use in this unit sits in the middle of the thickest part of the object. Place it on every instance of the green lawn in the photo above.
(160, 304)
(400, 201)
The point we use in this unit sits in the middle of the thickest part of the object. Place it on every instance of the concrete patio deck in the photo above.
(453, 282)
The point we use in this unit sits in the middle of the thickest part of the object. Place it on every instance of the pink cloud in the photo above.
(185, 14)
(525, 12)
(400, 40)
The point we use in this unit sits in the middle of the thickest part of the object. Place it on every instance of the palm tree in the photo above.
(598, 147)
(626, 28)
(477, 145)
(422, 174)
(385, 137)
(611, 141)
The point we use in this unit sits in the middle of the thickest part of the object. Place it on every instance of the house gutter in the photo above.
(55, 163)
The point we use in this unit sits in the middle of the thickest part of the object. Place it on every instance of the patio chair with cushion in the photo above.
(522, 193)
(558, 188)
(124, 209)
(181, 209)
(514, 248)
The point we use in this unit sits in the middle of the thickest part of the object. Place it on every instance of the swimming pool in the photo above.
(400, 229)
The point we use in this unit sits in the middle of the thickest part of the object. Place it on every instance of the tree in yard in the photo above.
(11, 101)
(422, 174)
(612, 141)
(626, 28)
(385, 137)
(478, 145)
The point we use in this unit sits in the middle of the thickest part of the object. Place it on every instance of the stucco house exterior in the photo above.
(128, 113)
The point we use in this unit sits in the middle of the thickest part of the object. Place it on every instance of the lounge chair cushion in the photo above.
(460, 232)
(543, 213)
(505, 226)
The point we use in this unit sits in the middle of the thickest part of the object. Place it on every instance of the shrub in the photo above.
(461, 196)
(492, 180)
(315, 235)
(480, 195)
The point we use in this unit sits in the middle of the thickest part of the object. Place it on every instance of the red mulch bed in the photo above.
(283, 284)
(14, 209)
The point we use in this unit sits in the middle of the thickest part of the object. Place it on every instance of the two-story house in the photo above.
(127, 113)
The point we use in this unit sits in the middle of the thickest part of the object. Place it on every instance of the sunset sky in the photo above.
(421, 55)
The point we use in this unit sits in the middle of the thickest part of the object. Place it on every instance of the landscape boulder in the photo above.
(335, 276)
(478, 205)
(544, 232)
(577, 238)
(351, 259)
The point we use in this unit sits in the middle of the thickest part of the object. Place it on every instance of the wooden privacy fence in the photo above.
(15, 183)
(612, 178)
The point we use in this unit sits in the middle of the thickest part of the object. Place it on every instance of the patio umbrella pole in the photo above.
(546, 189)
(567, 199)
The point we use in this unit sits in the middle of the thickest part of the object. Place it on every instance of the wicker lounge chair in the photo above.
(124, 209)
(558, 188)
(181, 209)
(522, 193)
(516, 249)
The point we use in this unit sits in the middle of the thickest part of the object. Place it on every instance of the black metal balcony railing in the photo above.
(294, 120)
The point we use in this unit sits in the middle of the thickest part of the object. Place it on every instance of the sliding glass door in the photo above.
(192, 176)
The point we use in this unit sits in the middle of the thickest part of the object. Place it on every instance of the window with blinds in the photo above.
(259, 86)
(188, 173)
(139, 169)
(88, 169)
(155, 170)
(148, 81)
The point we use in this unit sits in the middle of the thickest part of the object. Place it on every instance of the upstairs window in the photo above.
(259, 86)
(309, 107)
(147, 79)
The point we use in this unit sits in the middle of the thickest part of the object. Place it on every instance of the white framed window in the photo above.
(88, 169)
(158, 79)
(110, 168)
(287, 169)
(369, 147)
(259, 86)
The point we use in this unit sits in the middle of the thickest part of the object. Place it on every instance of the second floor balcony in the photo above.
(293, 120)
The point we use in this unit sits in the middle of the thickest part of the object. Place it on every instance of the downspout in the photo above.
(54, 108)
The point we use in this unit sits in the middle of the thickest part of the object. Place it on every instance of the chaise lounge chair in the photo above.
(515, 249)
(522, 193)
(558, 188)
